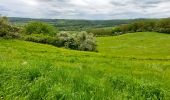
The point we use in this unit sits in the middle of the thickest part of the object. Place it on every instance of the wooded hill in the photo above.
(75, 25)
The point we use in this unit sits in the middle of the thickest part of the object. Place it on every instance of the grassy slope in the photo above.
(35, 71)
(137, 45)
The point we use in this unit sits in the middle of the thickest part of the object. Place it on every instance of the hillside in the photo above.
(149, 45)
(130, 66)
(73, 24)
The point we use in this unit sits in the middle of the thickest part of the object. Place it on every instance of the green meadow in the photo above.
(149, 45)
(133, 66)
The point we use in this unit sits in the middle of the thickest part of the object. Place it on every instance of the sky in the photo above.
(86, 9)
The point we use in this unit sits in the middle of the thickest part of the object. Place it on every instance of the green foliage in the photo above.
(86, 42)
(40, 38)
(162, 26)
(64, 38)
(121, 29)
(7, 30)
(101, 31)
(73, 25)
(43, 33)
(40, 28)
(78, 41)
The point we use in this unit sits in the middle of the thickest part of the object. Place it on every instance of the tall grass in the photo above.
(30, 71)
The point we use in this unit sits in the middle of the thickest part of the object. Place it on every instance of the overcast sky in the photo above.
(86, 9)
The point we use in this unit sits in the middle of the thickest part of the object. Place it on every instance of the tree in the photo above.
(40, 28)
(7, 30)
(163, 25)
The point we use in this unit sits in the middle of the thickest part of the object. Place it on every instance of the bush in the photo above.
(40, 28)
(78, 41)
(40, 38)
(63, 38)
(7, 30)
(85, 41)
(101, 31)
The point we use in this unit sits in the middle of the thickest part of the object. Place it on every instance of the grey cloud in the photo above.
(117, 3)
(86, 9)
(3, 8)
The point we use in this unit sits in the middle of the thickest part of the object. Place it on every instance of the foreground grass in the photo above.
(35, 71)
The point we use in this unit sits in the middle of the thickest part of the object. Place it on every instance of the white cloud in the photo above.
(86, 9)
(30, 2)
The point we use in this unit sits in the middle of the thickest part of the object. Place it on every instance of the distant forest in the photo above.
(75, 25)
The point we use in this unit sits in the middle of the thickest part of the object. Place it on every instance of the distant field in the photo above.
(132, 66)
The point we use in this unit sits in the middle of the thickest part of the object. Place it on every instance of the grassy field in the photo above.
(137, 45)
(132, 66)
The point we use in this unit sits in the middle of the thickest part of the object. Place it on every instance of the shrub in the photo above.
(7, 30)
(86, 42)
(78, 41)
(63, 38)
(40, 28)
(41, 38)
(117, 31)
(101, 31)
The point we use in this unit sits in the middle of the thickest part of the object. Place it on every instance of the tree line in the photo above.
(159, 25)
(73, 24)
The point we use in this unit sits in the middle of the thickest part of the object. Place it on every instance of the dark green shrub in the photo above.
(40, 28)
(7, 30)
(40, 38)
(101, 31)
(117, 31)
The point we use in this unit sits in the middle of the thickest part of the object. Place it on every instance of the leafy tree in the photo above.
(7, 30)
(40, 28)
(163, 26)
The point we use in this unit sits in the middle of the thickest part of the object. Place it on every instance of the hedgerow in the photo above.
(162, 25)
(7, 30)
